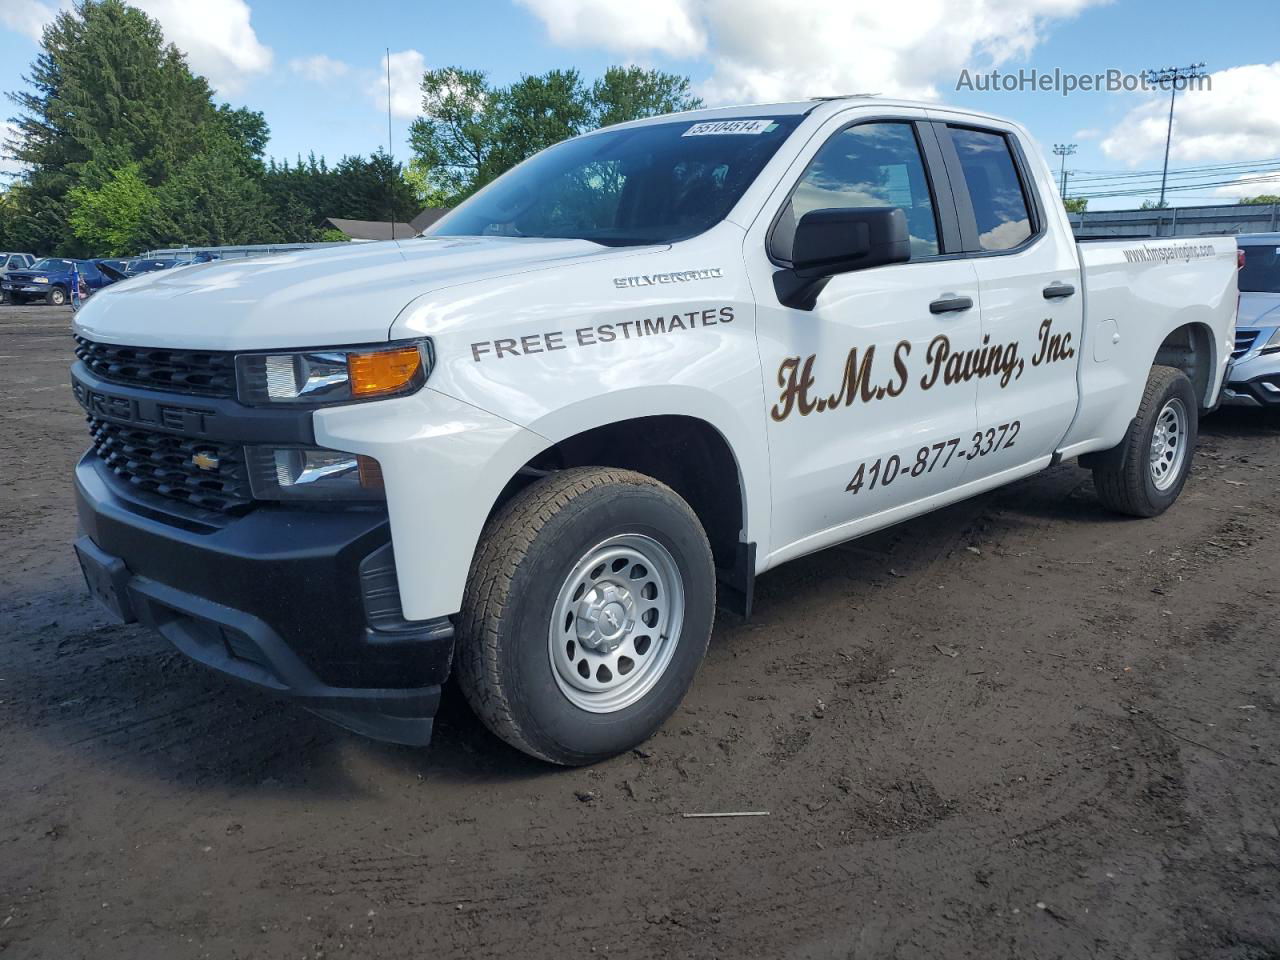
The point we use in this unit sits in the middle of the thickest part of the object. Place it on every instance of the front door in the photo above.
(865, 411)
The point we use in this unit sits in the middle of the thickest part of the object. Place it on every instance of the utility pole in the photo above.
(1172, 76)
(390, 188)
(1063, 150)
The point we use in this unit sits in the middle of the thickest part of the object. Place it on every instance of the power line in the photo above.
(1178, 188)
(1242, 167)
(1206, 166)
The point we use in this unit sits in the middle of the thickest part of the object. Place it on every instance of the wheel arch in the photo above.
(688, 453)
(1192, 348)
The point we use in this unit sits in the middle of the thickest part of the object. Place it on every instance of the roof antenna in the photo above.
(391, 204)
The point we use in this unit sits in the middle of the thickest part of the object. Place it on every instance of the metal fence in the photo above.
(1221, 220)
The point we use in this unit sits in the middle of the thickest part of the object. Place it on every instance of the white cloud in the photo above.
(1236, 119)
(1251, 185)
(780, 49)
(662, 26)
(319, 68)
(1088, 133)
(407, 67)
(28, 16)
(217, 37)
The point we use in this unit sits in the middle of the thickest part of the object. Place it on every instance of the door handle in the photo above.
(950, 304)
(1058, 291)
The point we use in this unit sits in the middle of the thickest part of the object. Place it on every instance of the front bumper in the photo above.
(299, 602)
(1254, 378)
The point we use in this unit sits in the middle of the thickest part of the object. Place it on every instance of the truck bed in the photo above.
(1135, 291)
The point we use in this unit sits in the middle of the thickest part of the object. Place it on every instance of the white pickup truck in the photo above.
(535, 445)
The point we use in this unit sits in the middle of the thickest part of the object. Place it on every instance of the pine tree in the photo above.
(107, 95)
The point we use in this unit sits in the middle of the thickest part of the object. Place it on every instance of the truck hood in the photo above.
(331, 296)
(1259, 310)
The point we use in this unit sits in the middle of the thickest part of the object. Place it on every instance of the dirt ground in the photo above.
(1017, 728)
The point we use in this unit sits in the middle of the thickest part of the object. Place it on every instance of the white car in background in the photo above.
(13, 261)
(1254, 380)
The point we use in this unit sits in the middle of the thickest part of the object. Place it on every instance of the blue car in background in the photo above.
(50, 280)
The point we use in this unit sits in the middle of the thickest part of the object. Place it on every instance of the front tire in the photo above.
(587, 612)
(56, 297)
(1157, 448)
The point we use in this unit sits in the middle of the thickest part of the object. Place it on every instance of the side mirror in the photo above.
(839, 241)
(835, 241)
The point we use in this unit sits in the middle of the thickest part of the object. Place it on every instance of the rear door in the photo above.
(1028, 279)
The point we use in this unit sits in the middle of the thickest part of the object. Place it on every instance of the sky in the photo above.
(317, 68)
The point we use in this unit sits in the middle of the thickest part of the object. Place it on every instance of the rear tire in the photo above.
(1158, 448)
(587, 612)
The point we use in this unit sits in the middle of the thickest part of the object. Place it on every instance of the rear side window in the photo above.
(868, 165)
(1261, 271)
(995, 190)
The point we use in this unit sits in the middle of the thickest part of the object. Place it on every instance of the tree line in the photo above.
(123, 148)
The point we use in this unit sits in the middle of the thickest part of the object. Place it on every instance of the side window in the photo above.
(869, 165)
(995, 190)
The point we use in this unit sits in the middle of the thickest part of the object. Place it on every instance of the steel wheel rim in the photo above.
(616, 623)
(1169, 444)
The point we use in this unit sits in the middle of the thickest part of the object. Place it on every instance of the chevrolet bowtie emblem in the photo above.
(205, 460)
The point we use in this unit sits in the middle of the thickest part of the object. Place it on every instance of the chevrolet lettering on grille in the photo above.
(150, 413)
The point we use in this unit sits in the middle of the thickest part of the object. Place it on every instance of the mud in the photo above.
(1020, 727)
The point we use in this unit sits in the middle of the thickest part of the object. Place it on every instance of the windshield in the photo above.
(50, 263)
(1261, 270)
(146, 266)
(650, 184)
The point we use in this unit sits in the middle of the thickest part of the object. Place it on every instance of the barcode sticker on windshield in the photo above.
(713, 127)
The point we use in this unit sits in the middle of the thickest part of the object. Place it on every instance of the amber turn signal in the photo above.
(384, 371)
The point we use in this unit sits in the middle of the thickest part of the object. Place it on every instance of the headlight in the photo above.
(1273, 343)
(39, 279)
(312, 473)
(333, 376)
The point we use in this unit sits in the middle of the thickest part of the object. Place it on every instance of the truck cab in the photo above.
(539, 445)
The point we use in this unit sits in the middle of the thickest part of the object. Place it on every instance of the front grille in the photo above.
(208, 373)
(1244, 340)
(162, 464)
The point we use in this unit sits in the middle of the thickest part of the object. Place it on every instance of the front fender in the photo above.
(444, 463)
(743, 435)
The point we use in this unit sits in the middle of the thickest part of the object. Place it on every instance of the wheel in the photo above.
(587, 612)
(1157, 449)
(56, 297)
